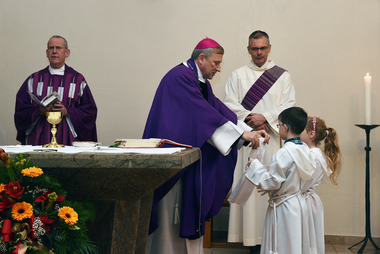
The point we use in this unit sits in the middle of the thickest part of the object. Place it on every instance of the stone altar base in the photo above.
(120, 185)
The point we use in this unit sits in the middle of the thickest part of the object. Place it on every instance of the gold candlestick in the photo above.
(53, 118)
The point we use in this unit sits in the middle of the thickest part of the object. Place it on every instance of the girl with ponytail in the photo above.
(324, 147)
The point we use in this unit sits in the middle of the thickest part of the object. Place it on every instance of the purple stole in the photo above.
(261, 87)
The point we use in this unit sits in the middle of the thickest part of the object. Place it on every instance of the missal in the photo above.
(146, 143)
(49, 99)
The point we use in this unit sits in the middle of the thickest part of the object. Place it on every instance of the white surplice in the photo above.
(286, 223)
(315, 206)
(246, 222)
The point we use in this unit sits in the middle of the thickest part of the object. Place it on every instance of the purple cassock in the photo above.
(180, 113)
(79, 125)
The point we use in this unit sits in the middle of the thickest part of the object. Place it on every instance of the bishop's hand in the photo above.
(253, 137)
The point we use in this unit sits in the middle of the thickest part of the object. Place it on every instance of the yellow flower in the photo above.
(32, 172)
(68, 214)
(22, 211)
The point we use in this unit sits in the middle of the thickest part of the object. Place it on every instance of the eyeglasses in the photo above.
(257, 49)
(51, 48)
(279, 124)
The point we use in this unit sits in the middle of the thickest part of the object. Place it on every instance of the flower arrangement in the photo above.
(35, 216)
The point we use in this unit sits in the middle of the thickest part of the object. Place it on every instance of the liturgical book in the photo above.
(146, 143)
(49, 99)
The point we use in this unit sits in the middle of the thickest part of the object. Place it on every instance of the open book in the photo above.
(49, 99)
(145, 143)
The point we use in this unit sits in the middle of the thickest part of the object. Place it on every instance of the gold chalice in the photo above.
(53, 118)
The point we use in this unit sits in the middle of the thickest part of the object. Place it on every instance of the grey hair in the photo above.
(60, 37)
(207, 52)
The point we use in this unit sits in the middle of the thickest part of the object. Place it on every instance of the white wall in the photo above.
(123, 48)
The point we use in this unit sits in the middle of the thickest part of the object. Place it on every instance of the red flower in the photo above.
(14, 190)
(5, 203)
(4, 158)
(45, 220)
(46, 198)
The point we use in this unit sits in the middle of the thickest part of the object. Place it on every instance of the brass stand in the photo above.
(53, 118)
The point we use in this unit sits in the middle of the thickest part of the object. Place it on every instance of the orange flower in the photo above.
(32, 172)
(2, 187)
(22, 211)
(68, 214)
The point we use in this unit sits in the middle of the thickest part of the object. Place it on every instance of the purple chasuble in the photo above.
(180, 113)
(261, 87)
(76, 96)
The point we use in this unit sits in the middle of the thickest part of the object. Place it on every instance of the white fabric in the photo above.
(60, 71)
(244, 187)
(82, 87)
(246, 223)
(242, 191)
(40, 86)
(283, 183)
(165, 239)
(314, 203)
(301, 158)
(279, 97)
(97, 149)
(30, 84)
(259, 152)
(60, 91)
(224, 136)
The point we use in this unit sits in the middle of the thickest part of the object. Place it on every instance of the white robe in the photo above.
(315, 206)
(246, 222)
(286, 227)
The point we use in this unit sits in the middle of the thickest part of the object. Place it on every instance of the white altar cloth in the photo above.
(97, 149)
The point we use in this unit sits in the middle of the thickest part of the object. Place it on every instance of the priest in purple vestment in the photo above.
(185, 110)
(76, 104)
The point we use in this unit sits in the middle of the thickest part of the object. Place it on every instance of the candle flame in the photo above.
(367, 74)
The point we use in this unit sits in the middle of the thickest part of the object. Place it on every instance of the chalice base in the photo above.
(51, 145)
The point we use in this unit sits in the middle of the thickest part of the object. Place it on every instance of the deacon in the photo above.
(185, 110)
(257, 92)
(76, 104)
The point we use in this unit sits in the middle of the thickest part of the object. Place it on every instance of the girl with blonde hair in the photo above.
(324, 147)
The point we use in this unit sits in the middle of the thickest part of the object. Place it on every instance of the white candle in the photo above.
(367, 98)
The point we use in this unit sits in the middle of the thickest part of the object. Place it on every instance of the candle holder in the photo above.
(368, 235)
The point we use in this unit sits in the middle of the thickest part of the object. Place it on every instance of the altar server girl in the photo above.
(328, 164)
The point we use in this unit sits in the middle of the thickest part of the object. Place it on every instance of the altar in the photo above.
(121, 186)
